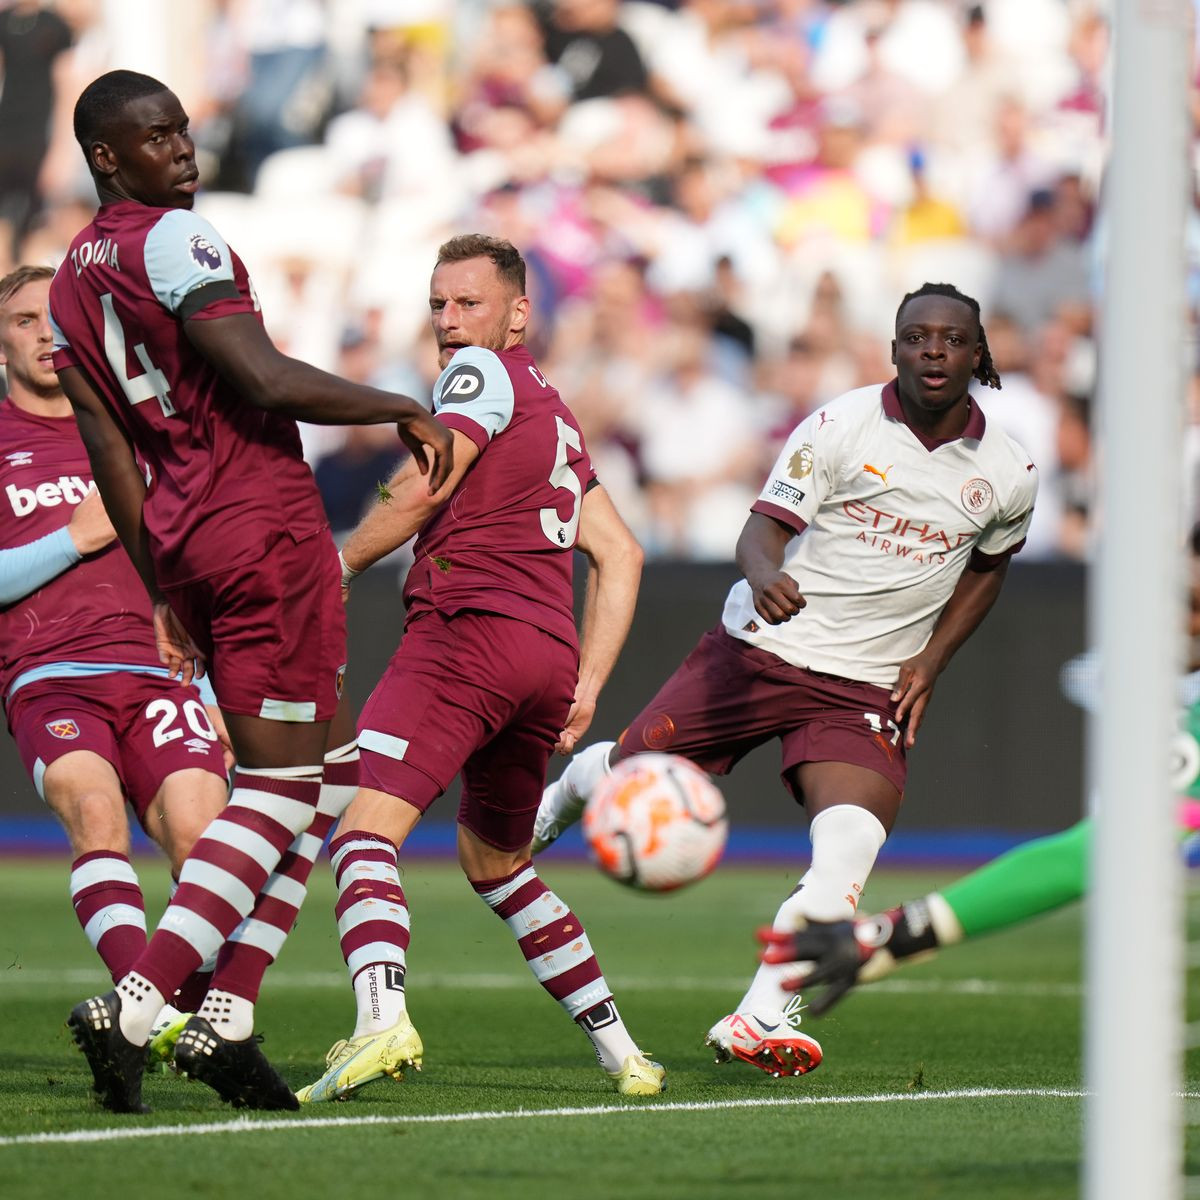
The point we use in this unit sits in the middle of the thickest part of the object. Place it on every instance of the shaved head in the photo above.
(104, 100)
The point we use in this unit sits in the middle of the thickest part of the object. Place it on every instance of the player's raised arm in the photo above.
(239, 348)
(969, 603)
(615, 573)
(760, 553)
(404, 505)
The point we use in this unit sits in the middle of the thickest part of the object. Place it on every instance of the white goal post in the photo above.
(1134, 1113)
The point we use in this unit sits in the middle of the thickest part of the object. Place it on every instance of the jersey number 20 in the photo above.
(165, 714)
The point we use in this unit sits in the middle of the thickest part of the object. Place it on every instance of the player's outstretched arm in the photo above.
(404, 505)
(115, 470)
(969, 603)
(614, 576)
(1034, 878)
(761, 547)
(239, 348)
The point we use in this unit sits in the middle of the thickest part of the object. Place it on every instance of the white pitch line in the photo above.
(69, 981)
(246, 1125)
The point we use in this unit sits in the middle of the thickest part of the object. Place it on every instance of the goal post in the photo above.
(1134, 1039)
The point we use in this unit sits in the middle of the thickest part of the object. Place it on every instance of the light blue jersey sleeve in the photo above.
(184, 252)
(60, 338)
(24, 569)
(207, 695)
(476, 385)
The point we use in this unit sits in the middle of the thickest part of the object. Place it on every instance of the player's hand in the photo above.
(914, 690)
(89, 526)
(432, 445)
(176, 650)
(579, 719)
(218, 723)
(835, 954)
(777, 597)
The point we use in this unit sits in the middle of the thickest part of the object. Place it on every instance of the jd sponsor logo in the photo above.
(462, 384)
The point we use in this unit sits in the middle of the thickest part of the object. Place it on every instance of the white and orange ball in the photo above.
(656, 823)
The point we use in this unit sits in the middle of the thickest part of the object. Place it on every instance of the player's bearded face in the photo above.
(470, 305)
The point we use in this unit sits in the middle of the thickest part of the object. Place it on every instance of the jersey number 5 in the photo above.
(152, 383)
(558, 531)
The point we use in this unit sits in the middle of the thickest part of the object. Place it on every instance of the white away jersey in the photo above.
(885, 522)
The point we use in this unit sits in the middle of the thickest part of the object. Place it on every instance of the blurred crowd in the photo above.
(721, 203)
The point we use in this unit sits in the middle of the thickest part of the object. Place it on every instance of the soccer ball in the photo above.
(656, 823)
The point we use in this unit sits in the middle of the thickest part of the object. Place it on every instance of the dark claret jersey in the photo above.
(503, 543)
(225, 477)
(95, 613)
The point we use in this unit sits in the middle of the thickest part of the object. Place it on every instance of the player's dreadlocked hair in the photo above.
(102, 101)
(507, 258)
(986, 371)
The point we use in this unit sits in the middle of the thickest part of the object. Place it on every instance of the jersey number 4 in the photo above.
(152, 383)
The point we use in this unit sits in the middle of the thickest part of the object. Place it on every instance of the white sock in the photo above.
(141, 1002)
(581, 778)
(379, 997)
(610, 1039)
(231, 1016)
(845, 840)
(766, 990)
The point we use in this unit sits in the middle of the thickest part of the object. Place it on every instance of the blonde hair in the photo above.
(14, 281)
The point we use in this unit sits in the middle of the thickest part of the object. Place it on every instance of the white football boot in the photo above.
(769, 1039)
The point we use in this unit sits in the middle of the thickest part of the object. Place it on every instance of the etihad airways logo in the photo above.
(68, 489)
(888, 525)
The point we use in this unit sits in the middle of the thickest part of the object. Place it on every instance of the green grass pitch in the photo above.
(888, 1113)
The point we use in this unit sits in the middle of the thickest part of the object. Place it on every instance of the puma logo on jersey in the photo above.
(876, 471)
